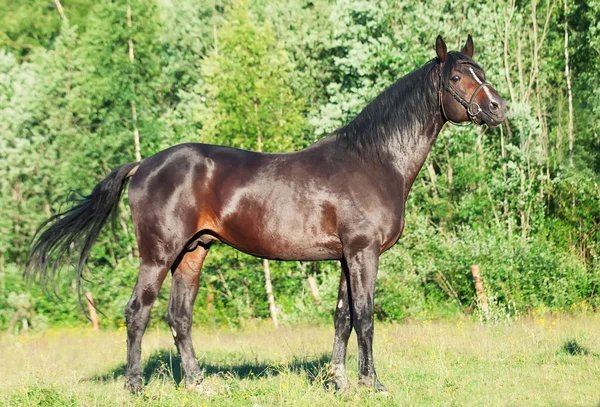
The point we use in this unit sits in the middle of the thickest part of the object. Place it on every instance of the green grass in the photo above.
(533, 362)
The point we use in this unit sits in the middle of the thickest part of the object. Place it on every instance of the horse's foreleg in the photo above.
(343, 328)
(137, 314)
(179, 313)
(363, 266)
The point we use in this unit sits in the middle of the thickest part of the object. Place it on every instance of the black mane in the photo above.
(398, 111)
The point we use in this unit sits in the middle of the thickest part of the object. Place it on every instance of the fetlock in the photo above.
(197, 385)
(372, 382)
(337, 377)
(134, 384)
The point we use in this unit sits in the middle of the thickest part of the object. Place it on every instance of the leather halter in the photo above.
(473, 108)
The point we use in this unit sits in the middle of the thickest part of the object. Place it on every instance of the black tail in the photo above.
(76, 229)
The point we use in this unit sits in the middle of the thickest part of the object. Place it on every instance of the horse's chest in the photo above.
(393, 233)
(389, 225)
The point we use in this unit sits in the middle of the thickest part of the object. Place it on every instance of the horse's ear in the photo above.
(468, 48)
(440, 49)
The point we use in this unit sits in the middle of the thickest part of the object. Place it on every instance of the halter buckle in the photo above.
(473, 113)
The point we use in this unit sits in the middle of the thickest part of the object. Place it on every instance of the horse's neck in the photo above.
(407, 154)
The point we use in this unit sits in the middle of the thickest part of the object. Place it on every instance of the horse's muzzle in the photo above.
(496, 111)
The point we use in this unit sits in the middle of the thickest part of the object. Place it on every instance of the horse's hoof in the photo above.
(373, 384)
(342, 388)
(201, 389)
(337, 377)
(134, 385)
(340, 385)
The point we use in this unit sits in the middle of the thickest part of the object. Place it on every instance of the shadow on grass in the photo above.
(165, 363)
(573, 348)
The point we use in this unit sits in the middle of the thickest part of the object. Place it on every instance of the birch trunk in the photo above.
(312, 283)
(134, 116)
(92, 311)
(61, 11)
(483, 302)
(569, 90)
(271, 298)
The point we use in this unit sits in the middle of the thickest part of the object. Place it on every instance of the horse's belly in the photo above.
(290, 252)
(282, 229)
(277, 240)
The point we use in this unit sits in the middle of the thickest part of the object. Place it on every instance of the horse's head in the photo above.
(463, 92)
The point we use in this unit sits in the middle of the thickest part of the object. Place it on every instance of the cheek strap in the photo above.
(472, 107)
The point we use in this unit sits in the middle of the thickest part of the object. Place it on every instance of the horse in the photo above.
(342, 198)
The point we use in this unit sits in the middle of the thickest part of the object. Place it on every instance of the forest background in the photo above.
(88, 85)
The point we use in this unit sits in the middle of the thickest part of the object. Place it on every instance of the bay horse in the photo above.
(342, 198)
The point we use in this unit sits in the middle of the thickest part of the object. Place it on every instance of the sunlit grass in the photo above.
(544, 361)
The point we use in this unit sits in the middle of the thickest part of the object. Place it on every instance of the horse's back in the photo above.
(241, 197)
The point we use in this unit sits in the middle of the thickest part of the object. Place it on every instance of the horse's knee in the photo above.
(343, 322)
(366, 330)
(180, 324)
(131, 309)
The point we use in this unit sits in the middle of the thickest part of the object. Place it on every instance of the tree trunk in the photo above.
(92, 311)
(314, 289)
(569, 91)
(270, 296)
(134, 117)
(483, 302)
(433, 177)
(210, 300)
(225, 286)
(507, 30)
(312, 283)
(61, 11)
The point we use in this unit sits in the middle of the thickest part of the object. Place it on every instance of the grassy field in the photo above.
(551, 361)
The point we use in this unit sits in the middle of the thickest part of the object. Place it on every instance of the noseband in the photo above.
(473, 108)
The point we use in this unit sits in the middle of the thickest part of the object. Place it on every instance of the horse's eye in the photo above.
(455, 78)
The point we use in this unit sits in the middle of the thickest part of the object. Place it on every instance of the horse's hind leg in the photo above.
(184, 288)
(137, 313)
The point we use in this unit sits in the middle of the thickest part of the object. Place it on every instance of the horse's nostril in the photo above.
(493, 105)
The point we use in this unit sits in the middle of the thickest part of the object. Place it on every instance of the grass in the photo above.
(534, 362)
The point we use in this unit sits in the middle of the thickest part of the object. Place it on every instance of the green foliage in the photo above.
(277, 75)
(249, 101)
(114, 83)
(29, 24)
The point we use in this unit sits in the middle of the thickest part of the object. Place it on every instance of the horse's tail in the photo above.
(76, 229)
